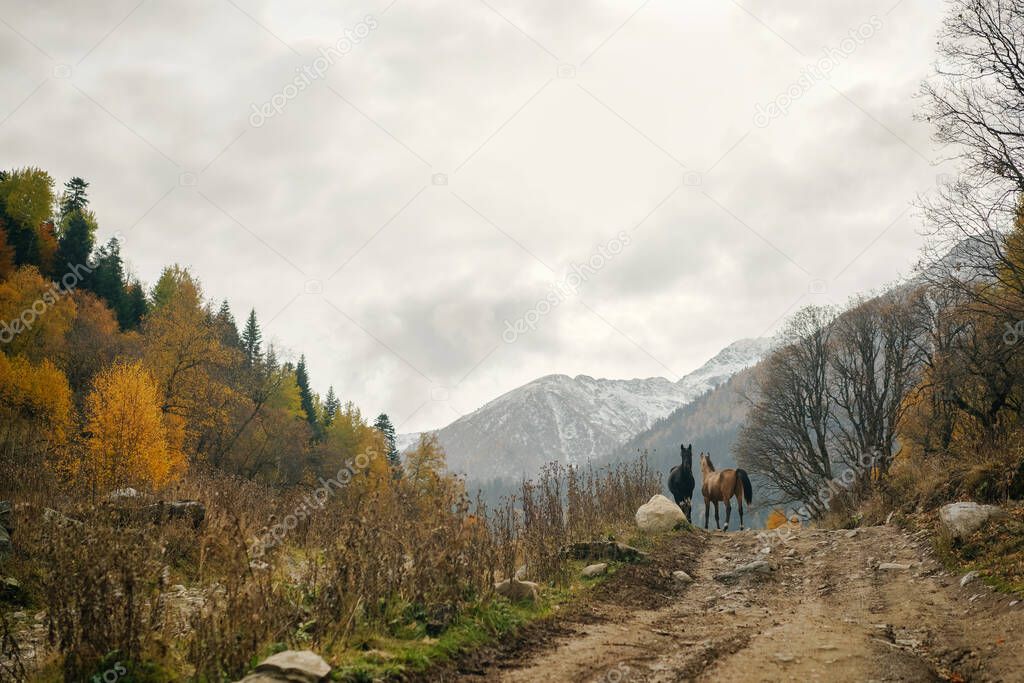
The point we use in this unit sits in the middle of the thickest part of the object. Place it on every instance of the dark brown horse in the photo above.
(680, 481)
(720, 487)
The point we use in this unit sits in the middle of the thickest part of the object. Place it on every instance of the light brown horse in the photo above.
(720, 487)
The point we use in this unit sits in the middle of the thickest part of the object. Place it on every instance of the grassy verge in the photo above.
(374, 657)
(996, 552)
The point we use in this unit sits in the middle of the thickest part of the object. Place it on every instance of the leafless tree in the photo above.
(875, 361)
(786, 438)
(975, 101)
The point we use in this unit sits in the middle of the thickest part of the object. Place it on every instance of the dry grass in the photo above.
(394, 562)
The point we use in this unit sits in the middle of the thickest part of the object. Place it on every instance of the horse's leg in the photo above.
(740, 499)
(717, 525)
(707, 510)
(728, 512)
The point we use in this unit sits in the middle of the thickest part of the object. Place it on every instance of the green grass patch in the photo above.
(996, 552)
(373, 656)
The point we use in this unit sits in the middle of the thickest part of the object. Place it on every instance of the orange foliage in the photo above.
(34, 315)
(35, 400)
(128, 440)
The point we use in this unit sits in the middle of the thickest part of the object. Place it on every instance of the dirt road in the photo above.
(867, 605)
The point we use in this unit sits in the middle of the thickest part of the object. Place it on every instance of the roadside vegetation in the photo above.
(914, 398)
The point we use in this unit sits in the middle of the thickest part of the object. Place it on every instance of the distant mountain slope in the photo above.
(573, 419)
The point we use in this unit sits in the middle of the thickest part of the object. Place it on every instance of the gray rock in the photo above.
(681, 576)
(126, 493)
(593, 570)
(968, 577)
(755, 567)
(602, 550)
(518, 591)
(659, 514)
(290, 666)
(963, 519)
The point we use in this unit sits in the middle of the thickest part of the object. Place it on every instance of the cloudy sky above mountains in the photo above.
(412, 210)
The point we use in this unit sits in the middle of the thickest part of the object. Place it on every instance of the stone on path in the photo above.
(963, 519)
(968, 577)
(755, 567)
(593, 570)
(682, 577)
(659, 514)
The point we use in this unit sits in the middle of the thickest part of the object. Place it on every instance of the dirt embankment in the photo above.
(871, 604)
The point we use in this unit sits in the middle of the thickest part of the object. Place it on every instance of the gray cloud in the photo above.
(653, 125)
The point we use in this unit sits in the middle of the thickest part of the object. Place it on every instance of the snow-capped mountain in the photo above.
(572, 419)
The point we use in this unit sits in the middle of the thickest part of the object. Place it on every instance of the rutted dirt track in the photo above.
(826, 612)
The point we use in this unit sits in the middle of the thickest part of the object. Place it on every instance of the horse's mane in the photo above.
(711, 465)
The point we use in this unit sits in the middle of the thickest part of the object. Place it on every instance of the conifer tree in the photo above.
(75, 244)
(225, 322)
(74, 198)
(384, 426)
(107, 278)
(306, 397)
(134, 306)
(252, 338)
(331, 407)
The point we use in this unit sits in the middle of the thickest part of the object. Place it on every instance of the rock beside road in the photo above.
(593, 570)
(603, 550)
(290, 666)
(518, 591)
(963, 519)
(659, 514)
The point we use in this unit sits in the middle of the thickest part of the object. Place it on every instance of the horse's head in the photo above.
(686, 455)
(705, 462)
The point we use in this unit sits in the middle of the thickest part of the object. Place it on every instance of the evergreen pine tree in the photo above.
(225, 322)
(306, 397)
(75, 244)
(134, 306)
(384, 426)
(331, 407)
(74, 199)
(252, 339)
(108, 281)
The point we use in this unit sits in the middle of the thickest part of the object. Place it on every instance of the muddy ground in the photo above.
(864, 605)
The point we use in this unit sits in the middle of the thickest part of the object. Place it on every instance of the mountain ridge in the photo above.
(558, 417)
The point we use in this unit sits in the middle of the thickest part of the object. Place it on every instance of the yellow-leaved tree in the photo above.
(127, 437)
(35, 412)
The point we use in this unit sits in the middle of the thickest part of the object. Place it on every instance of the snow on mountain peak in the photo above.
(573, 419)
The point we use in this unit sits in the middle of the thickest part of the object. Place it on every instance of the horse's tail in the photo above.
(748, 490)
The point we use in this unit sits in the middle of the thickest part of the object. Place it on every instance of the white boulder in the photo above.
(659, 514)
(963, 519)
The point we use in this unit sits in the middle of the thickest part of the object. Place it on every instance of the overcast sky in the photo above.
(442, 169)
